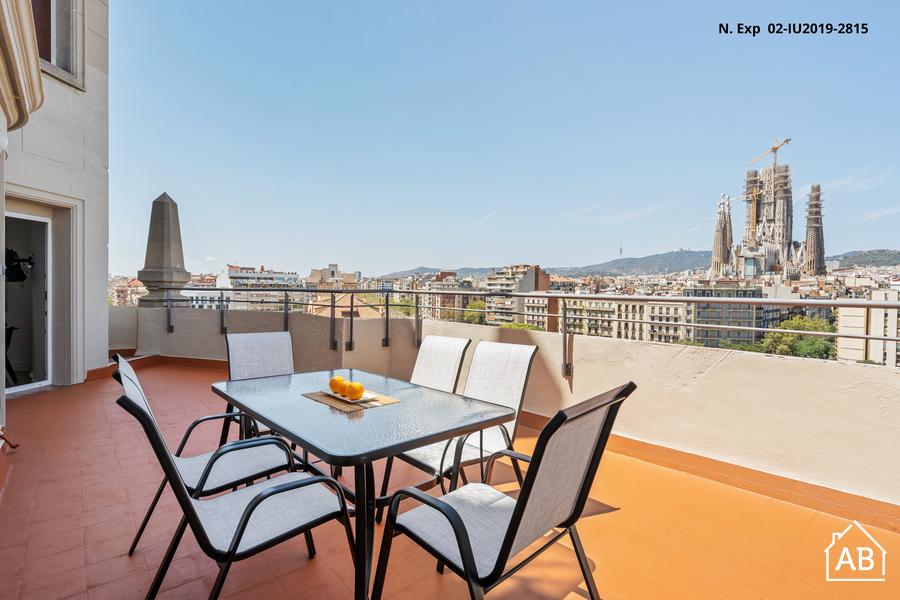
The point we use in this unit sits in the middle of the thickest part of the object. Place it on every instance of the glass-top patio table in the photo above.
(356, 439)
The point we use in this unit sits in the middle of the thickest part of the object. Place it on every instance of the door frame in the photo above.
(48, 252)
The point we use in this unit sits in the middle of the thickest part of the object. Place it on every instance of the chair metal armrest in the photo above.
(509, 453)
(447, 511)
(239, 416)
(242, 445)
(280, 489)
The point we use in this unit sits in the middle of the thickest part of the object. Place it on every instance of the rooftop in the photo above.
(83, 475)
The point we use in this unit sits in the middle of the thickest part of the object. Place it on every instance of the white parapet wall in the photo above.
(829, 423)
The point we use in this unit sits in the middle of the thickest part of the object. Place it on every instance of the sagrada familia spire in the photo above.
(767, 246)
(722, 239)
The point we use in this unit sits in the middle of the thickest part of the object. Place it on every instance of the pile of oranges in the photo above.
(351, 390)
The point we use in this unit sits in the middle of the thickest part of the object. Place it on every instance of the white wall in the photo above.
(60, 159)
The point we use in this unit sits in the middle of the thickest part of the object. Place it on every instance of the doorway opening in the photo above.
(28, 297)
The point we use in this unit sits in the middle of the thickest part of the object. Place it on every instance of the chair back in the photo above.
(499, 373)
(134, 401)
(562, 469)
(439, 361)
(265, 354)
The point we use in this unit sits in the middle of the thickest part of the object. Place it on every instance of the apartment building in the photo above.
(55, 191)
(512, 279)
(332, 278)
(664, 317)
(590, 317)
(204, 299)
(444, 306)
(735, 315)
(628, 316)
(239, 279)
(542, 312)
(870, 321)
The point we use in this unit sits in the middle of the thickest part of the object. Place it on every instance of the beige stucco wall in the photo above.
(825, 422)
(123, 327)
(60, 159)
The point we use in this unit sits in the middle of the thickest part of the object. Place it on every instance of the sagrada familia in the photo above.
(766, 247)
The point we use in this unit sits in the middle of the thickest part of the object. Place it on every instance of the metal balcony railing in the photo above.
(288, 300)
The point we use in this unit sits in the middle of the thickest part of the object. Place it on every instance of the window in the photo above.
(57, 37)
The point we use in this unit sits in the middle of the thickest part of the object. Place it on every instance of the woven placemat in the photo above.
(349, 405)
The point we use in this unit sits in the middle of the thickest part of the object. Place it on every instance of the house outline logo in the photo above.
(854, 557)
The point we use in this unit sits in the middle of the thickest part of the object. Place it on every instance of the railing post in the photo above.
(286, 308)
(170, 326)
(348, 345)
(417, 324)
(566, 364)
(222, 329)
(386, 340)
(334, 344)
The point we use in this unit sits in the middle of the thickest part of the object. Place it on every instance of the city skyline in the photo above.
(519, 141)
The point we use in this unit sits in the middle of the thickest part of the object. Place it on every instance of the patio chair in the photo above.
(476, 529)
(439, 362)
(438, 365)
(498, 373)
(235, 469)
(235, 526)
(252, 355)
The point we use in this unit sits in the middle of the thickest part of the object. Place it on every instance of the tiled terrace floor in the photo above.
(84, 474)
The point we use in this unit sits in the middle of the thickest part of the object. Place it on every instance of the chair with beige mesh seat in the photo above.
(438, 364)
(476, 530)
(499, 374)
(252, 355)
(234, 526)
(235, 468)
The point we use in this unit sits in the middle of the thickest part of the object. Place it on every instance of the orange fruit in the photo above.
(335, 384)
(355, 390)
(344, 386)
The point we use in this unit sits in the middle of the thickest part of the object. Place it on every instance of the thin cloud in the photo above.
(210, 258)
(856, 182)
(880, 214)
(487, 217)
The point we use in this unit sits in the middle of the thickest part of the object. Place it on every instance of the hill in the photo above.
(667, 262)
(874, 258)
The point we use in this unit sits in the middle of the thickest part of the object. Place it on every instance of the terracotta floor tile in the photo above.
(66, 527)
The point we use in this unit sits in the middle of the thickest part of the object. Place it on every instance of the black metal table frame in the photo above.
(364, 480)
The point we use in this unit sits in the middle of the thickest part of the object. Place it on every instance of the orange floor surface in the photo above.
(84, 474)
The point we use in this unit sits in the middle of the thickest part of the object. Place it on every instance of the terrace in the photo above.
(726, 477)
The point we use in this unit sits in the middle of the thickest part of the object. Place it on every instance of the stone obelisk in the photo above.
(164, 262)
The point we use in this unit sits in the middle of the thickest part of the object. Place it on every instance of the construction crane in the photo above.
(773, 150)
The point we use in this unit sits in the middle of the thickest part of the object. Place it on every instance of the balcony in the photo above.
(727, 476)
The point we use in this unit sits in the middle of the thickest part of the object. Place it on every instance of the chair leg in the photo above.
(518, 471)
(140, 531)
(167, 560)
(310, 544)
(220, 580)
(384, 487)
(226, 425)
(349, 531)
(383, 555)
(475, 591)
(462, 475)
(584, 564)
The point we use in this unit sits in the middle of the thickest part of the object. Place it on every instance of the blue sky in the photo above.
(387, 135)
